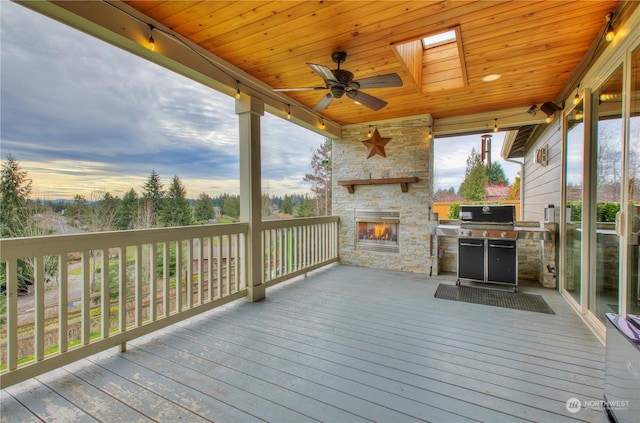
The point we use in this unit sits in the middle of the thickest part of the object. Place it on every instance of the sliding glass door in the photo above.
(632, 214)
(574, 155)
(607, 140)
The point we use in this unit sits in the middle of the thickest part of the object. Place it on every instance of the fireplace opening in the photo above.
(377, 230)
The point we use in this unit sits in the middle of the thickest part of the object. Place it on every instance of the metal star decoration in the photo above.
(376, 144)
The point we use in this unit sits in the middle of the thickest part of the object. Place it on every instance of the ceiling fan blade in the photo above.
(323, 71)
(324, 103)
(380, 81)
(299, 89)
(370, 101)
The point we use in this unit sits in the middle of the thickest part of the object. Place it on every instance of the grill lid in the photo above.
(488, 214)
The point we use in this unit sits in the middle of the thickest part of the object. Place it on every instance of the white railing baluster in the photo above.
(210, 268)
(39, 307)
(105, 295)
(227, 250)
(236, 262)
(166, 272)
(63, 302)
(153, 282)
(178, 276)
(122, 290)
(200, 270)
(137, 280)
(85, 296)
(189, 272)
(12, 314)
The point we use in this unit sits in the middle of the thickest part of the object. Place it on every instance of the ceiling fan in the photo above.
(340, 82)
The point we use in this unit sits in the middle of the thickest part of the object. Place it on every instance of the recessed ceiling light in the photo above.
(491, 77)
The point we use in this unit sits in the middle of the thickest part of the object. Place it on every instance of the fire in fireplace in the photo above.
(377, 230)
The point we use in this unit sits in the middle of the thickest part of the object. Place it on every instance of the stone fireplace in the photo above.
(384, 203)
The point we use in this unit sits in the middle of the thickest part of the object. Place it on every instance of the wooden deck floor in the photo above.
(345, 344)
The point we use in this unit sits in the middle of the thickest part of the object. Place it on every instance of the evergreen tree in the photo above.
(496, 175)
(176, 210)
(320, 177)
(153, 189)
(265, 205)
(230, 206)
(128, 210)
(203, 210)
(17, 220)
(14, 191)
(78, 211)
(305, 209)
(287, 205)
(474, 186)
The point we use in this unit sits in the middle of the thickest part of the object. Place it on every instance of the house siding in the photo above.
(542, 183)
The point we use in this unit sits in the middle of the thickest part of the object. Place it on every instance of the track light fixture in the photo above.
(610, 34)
(532, 110)
(152, 42)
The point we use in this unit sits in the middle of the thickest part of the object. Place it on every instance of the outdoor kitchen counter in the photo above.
(524, 231)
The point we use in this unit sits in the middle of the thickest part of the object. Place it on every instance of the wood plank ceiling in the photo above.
(534, 45)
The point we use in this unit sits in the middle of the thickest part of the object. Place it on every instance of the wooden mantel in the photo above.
(351, 183)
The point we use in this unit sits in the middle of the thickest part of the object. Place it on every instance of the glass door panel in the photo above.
(608, 134)
(573, 201)
(633, 190)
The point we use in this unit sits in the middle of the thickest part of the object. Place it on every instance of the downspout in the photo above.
(504, 153)
(521, 217)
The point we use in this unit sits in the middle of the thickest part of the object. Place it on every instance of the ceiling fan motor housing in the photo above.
(337, 91)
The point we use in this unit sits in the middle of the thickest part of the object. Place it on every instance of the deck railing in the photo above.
(95, 291)
(293, 247)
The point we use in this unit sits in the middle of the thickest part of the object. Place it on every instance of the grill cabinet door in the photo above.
(502, 261)
(471, 259)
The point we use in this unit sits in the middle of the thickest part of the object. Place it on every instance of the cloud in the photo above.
(80, 115)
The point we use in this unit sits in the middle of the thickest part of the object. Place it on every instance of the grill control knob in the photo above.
(504, 234)
(485, 233)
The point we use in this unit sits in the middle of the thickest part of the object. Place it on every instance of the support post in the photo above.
(250, 110)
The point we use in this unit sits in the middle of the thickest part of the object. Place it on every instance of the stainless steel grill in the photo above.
(487, 247)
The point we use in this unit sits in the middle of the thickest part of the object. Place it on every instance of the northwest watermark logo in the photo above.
(574, 405)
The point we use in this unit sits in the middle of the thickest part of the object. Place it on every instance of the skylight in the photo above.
(439, 39)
